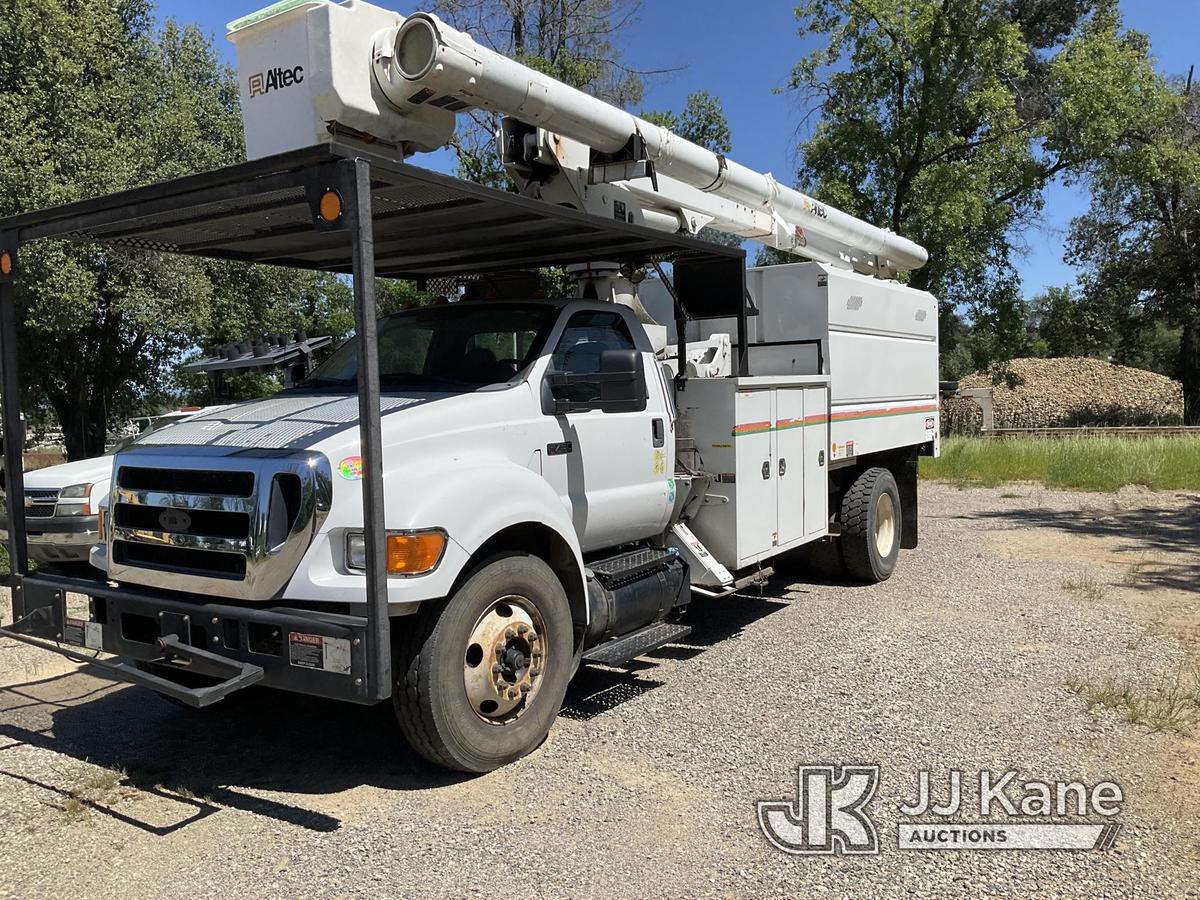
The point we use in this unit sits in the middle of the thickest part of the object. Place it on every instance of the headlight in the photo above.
(408, 552)
(75, 500)
(75, 492)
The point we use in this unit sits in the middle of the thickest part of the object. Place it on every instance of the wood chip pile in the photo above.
(1066, 393)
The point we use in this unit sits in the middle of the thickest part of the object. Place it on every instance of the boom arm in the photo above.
(424, 60)
(562, 145)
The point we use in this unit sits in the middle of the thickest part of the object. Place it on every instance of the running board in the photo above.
(623, 649)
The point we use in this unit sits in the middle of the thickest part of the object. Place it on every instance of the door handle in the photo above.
(659, 432)
(782, 467)
(766, 470)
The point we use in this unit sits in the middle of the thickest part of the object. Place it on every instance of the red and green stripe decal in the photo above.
(848, 416)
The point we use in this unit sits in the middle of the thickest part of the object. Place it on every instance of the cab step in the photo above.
(623, 649)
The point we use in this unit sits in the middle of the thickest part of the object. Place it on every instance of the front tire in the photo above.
(480, 678)
(871, 523)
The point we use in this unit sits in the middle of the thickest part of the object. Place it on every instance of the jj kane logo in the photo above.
(829, 814)
(262, 83)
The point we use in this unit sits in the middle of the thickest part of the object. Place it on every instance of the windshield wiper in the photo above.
(408, 378)
(327, 382)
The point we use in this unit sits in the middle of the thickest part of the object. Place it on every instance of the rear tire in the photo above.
(871, 524)
(480, 678)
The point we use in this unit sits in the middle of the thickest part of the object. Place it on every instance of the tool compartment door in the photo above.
(756, 481)
(790, 470)
(816, 461)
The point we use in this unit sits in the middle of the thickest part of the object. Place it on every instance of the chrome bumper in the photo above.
(67, 539)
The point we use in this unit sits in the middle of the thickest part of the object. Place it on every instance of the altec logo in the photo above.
(262, 83)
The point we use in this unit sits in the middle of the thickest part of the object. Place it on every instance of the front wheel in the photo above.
(481, 678)
(870, 519)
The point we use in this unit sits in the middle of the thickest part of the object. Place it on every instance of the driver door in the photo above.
(610, 469)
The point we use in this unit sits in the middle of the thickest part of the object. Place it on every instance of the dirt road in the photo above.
(648, 784)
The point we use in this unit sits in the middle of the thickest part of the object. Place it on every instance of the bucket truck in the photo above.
(523, 484)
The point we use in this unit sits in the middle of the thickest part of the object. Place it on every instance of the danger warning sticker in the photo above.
(83, 634)
(315, 651)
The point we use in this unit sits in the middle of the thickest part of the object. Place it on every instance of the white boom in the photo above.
(428, 72)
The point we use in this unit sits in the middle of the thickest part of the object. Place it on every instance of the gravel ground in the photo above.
(648, 783)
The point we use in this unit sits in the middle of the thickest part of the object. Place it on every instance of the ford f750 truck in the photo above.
(469, 500)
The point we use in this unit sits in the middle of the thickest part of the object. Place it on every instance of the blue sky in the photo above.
(743, 61)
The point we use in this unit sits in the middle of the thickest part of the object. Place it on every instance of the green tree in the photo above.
(116, 105)
(120, 104)
(1071, 324)
(944, 121)
(1140, 241)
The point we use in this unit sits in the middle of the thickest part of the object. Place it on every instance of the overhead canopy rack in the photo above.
(427, 226)
(336, 208)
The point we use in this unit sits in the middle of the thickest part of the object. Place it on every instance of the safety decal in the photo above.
(670, 490)
(82, 633)
(660, 462)
(351, 468)
(314, 651)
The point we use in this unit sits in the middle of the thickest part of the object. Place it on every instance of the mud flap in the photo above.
(906, 481)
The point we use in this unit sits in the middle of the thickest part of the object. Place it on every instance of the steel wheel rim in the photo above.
(885, 524)
(504, 659)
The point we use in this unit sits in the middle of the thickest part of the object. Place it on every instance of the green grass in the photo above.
(1173, 704)
(1084, 463)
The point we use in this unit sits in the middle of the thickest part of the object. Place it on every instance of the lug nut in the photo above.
(497, 668)
(522, 629)
(525, 688)
(510, 633)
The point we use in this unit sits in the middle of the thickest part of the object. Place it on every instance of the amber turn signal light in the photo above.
(6, 265)
(414, 554)
(330, 208)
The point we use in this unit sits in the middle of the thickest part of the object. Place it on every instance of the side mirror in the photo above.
(619, 386)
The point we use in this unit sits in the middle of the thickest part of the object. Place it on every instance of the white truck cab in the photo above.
(489, 422)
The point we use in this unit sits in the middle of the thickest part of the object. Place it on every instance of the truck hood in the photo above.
(286, 421)
(84, 471)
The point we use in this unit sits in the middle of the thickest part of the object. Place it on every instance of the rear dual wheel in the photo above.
(480, 679)
(871, 526)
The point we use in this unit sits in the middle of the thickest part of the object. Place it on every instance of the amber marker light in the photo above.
(330, 207)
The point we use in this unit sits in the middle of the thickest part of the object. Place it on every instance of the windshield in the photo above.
(447, 347)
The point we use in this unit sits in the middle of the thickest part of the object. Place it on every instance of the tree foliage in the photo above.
(119, 104)
(1139, 243)
(945, 121)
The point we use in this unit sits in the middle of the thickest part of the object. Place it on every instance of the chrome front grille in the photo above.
(204, 521)
(40, 502)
